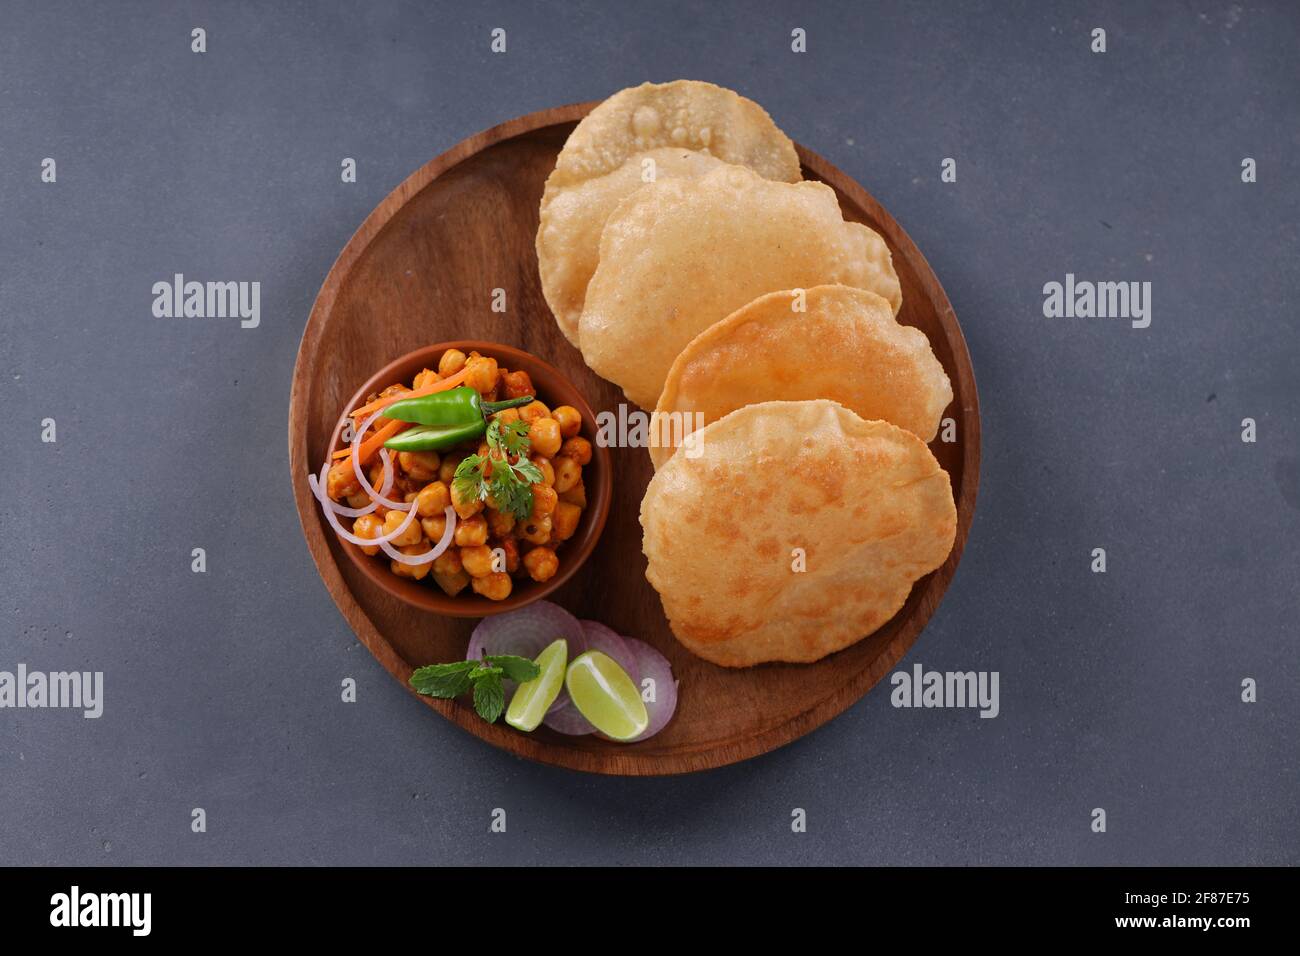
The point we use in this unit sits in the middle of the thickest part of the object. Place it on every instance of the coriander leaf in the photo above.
(443, 680)
(468, 480)
(516, 668)
(489, 695)
(514, 435)
(511, 494)
(508, 438)
(528, 470)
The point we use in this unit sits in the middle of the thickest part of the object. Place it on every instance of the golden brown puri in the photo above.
(862, 506)
(831, 341)
(683, 129)
(679, 257)
(568, 239)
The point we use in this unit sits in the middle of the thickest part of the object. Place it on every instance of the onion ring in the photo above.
(388, 484)
(318, 489)
(356, 468)
(526, 632)
(654, 666)
(566, 719)
(415, 559)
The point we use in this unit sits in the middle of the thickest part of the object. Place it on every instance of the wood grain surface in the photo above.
(422, 269)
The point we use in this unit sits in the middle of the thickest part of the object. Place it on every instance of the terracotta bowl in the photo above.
(554, 390)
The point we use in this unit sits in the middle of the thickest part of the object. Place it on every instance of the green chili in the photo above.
(449, 418)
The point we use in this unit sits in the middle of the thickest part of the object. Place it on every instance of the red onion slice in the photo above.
(609, 642)
(526, 633)
(414, 559)
(318, 489)
(356, 468)
(564, 718)
(654, 666)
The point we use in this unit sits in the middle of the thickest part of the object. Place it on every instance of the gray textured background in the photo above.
(222, 690)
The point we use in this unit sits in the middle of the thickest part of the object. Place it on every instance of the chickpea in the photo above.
(448, 563)
(517, 384)
(494, 587)
(544, 500)
(425, 377)
(471, 532)
(533, 411)
(507, 415)
(564, 520)
(420, 465)
(482, 375)
(393, 520)
(341, 483)
(570, 420)
(544, 433)
(567, 474)
(359, 500)
(536, 530)
(477, 561)
(541, 564)
(511, 549)
(452, 584)
(434, 528)
(546, 468)
(577, 448)
(368, 526)
(465, 507)
(447, 470)
(452, 361)
(433, 499)
(416, 572)
(376, 474)
(500, 523)
(577, 495)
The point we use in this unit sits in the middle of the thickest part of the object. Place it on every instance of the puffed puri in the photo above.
(793, 530)
(648, 133)
(830, 341)
(679, 256)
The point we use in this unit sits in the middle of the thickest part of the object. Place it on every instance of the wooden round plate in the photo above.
(423, 268)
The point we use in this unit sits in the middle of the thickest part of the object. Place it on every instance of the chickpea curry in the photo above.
(465, 478)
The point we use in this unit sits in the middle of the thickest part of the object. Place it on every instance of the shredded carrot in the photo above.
(451, 381)
(370, 446)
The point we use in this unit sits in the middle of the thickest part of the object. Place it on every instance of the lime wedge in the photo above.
(534, 697)
(604, 694)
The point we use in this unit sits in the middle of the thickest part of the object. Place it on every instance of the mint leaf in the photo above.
(483, 670)
(489, 694)
(518, 669)
(443, 680)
